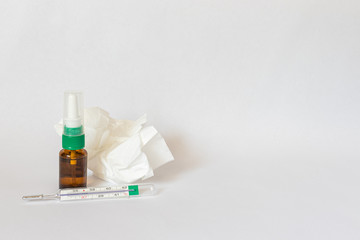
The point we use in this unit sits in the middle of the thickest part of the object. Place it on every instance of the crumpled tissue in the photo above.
(121, 151)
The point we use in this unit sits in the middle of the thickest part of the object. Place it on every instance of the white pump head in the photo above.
(73, 109)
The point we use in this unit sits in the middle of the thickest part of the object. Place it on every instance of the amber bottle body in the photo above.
(72, 168)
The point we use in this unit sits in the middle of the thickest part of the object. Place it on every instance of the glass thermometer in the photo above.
(124, 191)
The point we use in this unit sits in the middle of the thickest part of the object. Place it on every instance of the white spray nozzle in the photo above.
(73, 109)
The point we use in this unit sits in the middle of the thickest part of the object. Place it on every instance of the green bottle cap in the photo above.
(73, 138)
(73, 142)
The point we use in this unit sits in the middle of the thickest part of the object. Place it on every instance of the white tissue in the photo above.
(121, 151)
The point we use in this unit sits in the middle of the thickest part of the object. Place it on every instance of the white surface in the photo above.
(258, 100)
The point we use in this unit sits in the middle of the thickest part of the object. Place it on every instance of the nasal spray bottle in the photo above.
(73, 156)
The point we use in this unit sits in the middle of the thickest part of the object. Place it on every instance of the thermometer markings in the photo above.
(96, 193)
(92, 193)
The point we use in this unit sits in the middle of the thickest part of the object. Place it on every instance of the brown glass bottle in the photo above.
(72, 168)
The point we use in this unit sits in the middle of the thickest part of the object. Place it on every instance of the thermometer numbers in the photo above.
(94, 193)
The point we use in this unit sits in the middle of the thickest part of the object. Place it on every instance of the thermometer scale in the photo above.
(112, 192)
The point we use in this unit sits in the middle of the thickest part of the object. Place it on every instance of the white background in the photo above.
(258, 101)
